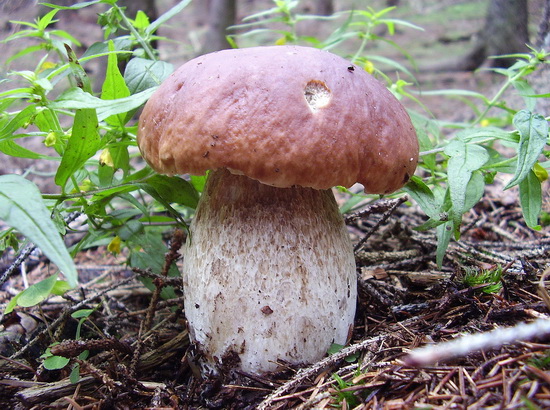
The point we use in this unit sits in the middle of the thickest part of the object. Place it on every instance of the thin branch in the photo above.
(26, 252)
(393, 206)
(465, 345)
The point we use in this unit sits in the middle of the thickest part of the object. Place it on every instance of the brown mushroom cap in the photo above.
(282, 115)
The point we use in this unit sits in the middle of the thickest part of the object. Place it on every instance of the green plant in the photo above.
(93, 139)
(342, 394)
(541, 361)
(458, 168)
(335, 348)
(54, 362)
(280, 25)
(490, 279)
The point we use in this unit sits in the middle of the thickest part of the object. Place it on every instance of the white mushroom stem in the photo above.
(269, 275)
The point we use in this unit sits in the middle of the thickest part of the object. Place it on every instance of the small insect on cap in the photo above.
(282, 115)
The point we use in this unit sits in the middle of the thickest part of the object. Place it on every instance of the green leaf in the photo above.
(73, 7)
(33, 295)
(21, 207)
(174, 190)
(533, 131)
(82, 313)
(464, 159)
(21, 120)
(474, 190)
(66, 36)
(47, 121)
(55, 362)
(115, 190)
(164, 202)
(526, 91)
(82, 145)
(82, 79)
(198, 182)
(14, 150)
(46, 20)
(129, 229)
(105, 175)
(11, 304)
(423, 196)
(84, 141)
(141, 22)
(392, 63)
(101, 48)
(25, 51)
(9, 96)
(121, 157)
(60, 287)
(75, 98)
(350, 203)
(74, 377)
(152, 257)
(37, 293)
(141, 74)
(484, 133)
(462, 93)
(114, 87)
(444, 233)
(530, 198)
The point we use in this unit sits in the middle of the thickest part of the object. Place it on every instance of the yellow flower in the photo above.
(281, 41)
(46, 65)
(484, 122)
(86, 185)
(368, 66)
(114, 245)
(540, 172)
(50, 140)
(106, 159)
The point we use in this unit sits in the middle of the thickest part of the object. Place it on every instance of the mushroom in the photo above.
(269, 273)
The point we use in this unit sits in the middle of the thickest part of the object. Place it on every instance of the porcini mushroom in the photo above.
(269, 272)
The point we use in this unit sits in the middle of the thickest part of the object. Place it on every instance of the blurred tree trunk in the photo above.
(540, 79)
(221, 14)
(505, 32)
(324, 7)
(543, 36)
(133, 6)
(201, 11)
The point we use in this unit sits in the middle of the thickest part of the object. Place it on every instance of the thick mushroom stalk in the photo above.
(269, 275)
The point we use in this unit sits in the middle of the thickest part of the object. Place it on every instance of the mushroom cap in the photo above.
(282, 115)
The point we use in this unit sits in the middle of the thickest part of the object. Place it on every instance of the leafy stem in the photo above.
(365, 36)
(526, 68)
(142, 42)
(91, 192)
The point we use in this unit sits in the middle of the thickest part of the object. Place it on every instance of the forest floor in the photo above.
(405, 300)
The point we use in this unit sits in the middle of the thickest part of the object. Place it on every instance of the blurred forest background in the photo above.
(457, 38)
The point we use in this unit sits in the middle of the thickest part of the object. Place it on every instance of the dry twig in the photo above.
(464, 345)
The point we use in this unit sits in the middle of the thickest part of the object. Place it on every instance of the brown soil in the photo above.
(140, 356)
